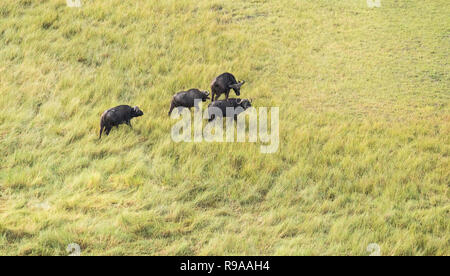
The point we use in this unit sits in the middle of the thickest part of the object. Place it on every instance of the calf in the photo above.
(238, 106)
(115, 116)
(223, 84)
(187, 99)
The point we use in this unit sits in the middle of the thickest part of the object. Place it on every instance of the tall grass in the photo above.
(364, 128)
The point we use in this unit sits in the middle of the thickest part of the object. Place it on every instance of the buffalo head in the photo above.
(237, 87)
(245, 103)
(137, 112)
(205, 96)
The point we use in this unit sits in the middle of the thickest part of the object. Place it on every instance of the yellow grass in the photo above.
(364, 128)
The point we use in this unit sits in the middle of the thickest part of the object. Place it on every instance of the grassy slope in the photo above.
(364, 124)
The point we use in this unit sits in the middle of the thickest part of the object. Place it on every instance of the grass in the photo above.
(364, 128)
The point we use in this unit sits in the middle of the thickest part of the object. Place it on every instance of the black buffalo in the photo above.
(115, 116)
(187, 99)
(223, 84)
(238, 105)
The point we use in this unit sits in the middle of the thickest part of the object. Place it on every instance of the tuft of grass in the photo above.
(364, 128)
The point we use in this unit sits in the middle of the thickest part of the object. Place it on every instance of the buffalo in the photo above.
(115, 116)
(188, 99)
(238, 105)
(222, 84)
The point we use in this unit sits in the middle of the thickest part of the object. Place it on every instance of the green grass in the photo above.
(364, 128)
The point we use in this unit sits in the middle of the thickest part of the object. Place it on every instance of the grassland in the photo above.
(364, 128)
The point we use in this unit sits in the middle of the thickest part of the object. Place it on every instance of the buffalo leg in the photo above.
(101, 130)
(129, 123)
(172, 106)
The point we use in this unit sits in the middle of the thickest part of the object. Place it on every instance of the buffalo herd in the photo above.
(222, 84)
